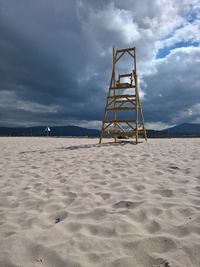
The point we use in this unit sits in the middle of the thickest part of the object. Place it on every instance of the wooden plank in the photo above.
(109, 103)
(142, 117)
(129, 133)
(126, 100)
(119, 106)
(123, 85)
(130, 126)
(124, 108)
(112, 129)
(114, 134)
(136, 91)
(119, 121)
(125, 75)
(125, 49)
(117, 58)
(105, 127)
(120, 87)
(130, 54)
(122, 96)
(115, 114)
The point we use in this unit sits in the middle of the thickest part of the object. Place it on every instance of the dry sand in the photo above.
(119, 205)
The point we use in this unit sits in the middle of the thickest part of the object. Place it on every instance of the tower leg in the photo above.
(142, 117)
(104, 117)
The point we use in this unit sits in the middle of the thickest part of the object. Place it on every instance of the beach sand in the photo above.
(116, 205)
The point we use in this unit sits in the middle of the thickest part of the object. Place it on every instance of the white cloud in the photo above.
(158, 125)
(177, 80)
(144, 24)
(191, 114)
(89, 124)
(115, 21)
(189, 32)
(10, 100)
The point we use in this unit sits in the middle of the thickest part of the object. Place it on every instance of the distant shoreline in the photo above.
(96, 137)
(185, 130)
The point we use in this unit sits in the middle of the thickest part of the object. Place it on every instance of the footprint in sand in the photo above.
(173, 167)
(115, 184)
(38, 184)
(103, 195)
(162, 264)
(163, 192)
(152, 226)
(103, 183)
(72, 194)
(49, 190)
(127, 204)
(106, 172)
(62, 180)
(7, 234)
(139, 187)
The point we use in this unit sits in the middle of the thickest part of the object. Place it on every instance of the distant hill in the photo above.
(183, 130)
(55, 131)
(190, 128)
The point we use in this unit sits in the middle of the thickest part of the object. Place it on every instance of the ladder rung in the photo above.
(120, 121)
(122, 86)
(122, 108)
(125, 49)
(108, 129)
(129, 133)
(141, 129)
(122, 96)
(125, 100)
(125, 75)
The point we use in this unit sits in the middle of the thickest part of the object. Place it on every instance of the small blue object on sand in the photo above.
(57, 220)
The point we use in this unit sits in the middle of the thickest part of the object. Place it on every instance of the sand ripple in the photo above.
(116, 205)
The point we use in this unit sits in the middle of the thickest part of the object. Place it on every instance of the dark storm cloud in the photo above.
(28, 69)
(37, 70)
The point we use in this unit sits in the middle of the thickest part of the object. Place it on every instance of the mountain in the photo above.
(183, 130)
(54, 131)
(190, 128)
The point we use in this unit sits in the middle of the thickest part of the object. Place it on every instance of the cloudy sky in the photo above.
(55, 59)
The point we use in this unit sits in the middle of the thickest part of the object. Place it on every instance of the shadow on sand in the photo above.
(97, 145)
(120, 143)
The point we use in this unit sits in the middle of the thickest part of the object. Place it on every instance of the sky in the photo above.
(56, 59)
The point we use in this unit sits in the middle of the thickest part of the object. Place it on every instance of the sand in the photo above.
(116, 205)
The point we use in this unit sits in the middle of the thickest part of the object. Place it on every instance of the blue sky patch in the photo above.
(191, 16)
(163, 52)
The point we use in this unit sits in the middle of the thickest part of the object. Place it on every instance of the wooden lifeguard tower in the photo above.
(123, 116)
